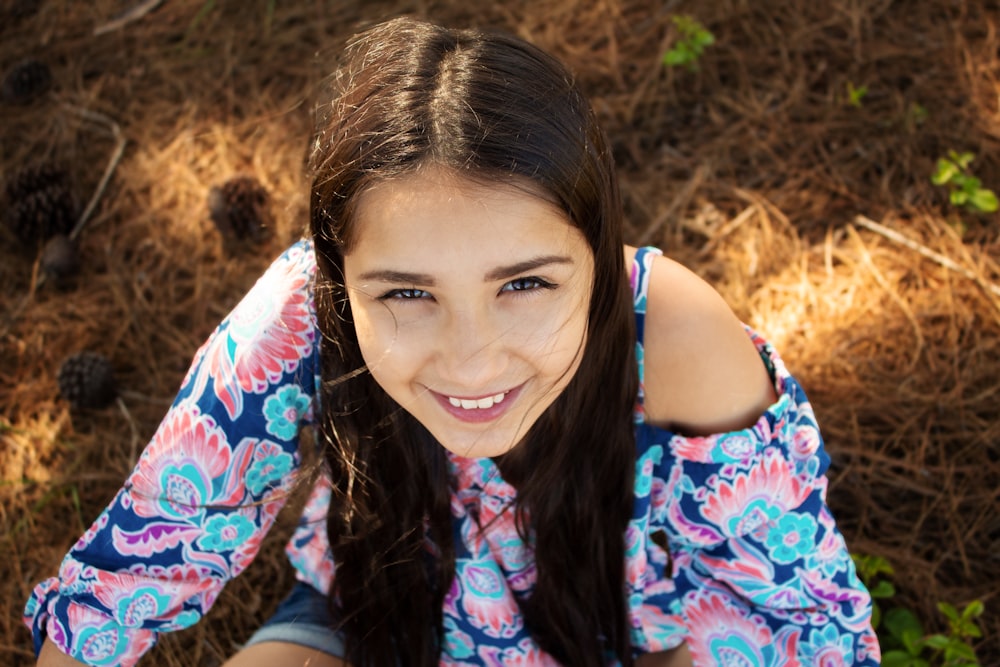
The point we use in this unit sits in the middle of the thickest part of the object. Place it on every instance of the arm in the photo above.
(51, 656)
(742, 491)
(206, 489)
(703, 373)
(678, 657)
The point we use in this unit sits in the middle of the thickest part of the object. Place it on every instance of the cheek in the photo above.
(554, 346)
(376, 333)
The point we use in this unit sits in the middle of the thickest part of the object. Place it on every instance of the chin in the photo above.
(487, 445)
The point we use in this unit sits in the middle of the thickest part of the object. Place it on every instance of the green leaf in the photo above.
(912, 641)
(871, 566)
(937, 641)
(900, 620)
(896, 659)
(967, 183)
(986, 201)
(960, 650)
(946, 170)
(673, 57)
(882, 590)
(965, 159)
(958, 197)
(975, 608)
(948, 610)
(969, 629)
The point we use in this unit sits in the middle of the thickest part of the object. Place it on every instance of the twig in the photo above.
(134, 445)
(728, 228)
(946, 262)
(116, 156)
(126, 17)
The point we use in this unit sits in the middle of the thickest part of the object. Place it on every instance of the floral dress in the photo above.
(731, 547)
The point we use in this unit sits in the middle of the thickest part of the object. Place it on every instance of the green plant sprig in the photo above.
(964, 188)
(694, 39)
(901, 635)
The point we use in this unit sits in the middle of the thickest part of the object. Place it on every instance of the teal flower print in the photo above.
(270, 469)
(283, 410)
(791, 538)
(224, 532)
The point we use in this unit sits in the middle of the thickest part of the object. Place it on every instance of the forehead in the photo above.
(436, 212)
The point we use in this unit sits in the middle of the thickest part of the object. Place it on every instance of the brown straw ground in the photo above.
(754, 169)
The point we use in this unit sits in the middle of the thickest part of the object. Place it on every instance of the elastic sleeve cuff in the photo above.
(82, 632)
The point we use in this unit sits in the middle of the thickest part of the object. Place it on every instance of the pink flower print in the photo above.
(487, 601)
(694, 448)
(309, 548)
(312, 561)
(268, 333)
(756, 498)
(805, 442)
(662, 630)
(525, 654)
(658, 498)
(719, 633)
(869, 647)
(176, 474)
(635, 555)
(246, 551)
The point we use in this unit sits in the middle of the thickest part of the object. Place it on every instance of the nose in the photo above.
(472, 351)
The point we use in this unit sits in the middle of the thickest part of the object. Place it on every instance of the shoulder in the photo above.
(703, 373)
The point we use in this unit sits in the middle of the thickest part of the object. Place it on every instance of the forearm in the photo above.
(51, 656)
(678, 657)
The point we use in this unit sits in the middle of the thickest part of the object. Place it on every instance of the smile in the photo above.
(478, 410)
(476, 404)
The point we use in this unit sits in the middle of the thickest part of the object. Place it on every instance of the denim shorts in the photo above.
(302, 618)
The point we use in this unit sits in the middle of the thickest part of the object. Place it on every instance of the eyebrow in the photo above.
(499, 273)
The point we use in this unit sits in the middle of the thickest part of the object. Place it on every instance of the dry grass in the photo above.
(752, 170)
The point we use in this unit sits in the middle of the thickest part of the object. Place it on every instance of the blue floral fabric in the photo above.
(731, 547)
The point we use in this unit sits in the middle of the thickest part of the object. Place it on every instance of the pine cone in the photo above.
(25, 82)
(60, 258)
(239, 209)
(87, 381)
(40, 204)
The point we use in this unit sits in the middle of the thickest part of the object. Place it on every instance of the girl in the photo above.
(541, 446)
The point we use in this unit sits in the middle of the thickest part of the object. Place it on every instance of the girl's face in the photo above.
(470, 304)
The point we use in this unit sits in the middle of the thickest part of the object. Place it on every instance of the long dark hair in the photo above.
(493, 108)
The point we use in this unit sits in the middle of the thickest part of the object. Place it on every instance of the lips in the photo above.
(478, 410)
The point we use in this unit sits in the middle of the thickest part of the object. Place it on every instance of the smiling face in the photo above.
(470, 304)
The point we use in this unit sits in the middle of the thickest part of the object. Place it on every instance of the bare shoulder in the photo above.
(703, 374)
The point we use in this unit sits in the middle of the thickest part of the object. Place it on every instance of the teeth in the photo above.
(481, 404)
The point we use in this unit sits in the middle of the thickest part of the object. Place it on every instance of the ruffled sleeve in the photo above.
(733, 549)
(206, 489)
